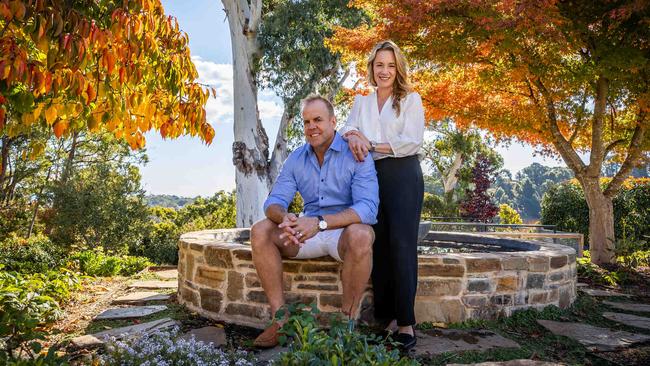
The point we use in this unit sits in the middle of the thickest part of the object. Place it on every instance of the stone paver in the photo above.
(131, 312)
(602, 293)
(580, 284)
(641, 308)
(168, 274)
(629, 319)
(214, 335)
(594, 338)
(91, 340)
(154, 284)
(437, 341)
(511, 363)
(139, 298)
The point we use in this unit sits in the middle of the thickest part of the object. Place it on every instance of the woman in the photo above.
(389, 123)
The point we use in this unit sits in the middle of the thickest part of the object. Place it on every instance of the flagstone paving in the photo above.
(214, 335)
(437, 341)
(629, 319)
(602, 293)
(168, 274)
(594, 338)
(641, 308)
(511, 363)
(140, 298)
(130, 312)
(154, 284)
(99, 338)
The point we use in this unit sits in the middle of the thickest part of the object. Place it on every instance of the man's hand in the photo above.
(299, 230)
(359, 144)
(289, 233)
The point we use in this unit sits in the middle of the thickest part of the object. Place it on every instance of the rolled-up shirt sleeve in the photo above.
(409, 141)
(353, 123)
(365, 192)
(285, 186)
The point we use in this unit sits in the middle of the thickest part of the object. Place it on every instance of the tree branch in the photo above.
(565, 149)
(633, 156)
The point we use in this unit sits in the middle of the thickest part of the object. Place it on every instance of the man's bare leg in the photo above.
(267, 250)
(355, 248)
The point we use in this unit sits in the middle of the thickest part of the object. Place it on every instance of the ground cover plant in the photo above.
(168, 348)
(28, 304)
(310, 344)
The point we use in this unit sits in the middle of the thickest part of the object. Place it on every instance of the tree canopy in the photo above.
(118, 66)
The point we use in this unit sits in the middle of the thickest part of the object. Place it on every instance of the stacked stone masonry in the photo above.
(217, 279)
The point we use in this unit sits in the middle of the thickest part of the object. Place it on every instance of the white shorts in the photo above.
(322, 244)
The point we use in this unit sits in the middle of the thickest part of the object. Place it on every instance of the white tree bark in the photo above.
(251, 145)
(450, 178)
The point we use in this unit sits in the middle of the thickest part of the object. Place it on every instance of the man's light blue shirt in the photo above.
(340, 183)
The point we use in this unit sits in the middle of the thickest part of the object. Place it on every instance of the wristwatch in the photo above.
(373, 146)
(322, 224)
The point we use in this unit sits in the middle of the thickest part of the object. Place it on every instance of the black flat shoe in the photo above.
(404, 340)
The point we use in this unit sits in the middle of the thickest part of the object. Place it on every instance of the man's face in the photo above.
(318, 125)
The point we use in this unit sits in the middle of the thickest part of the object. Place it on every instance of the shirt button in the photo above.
(321, 198)
(322, 180)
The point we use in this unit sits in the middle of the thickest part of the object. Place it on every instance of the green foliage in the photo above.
(524, 192)
(96, 262)
(434, 206)
(36, 254)
(564, 205)
(101, 205)
(632, 254)
(160, 244)
(341, 345)
(27, 302)
(595, 273)
(508, 215)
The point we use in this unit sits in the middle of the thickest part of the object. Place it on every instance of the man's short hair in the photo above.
(314, 97)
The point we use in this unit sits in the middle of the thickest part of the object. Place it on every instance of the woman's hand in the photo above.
(359, 144)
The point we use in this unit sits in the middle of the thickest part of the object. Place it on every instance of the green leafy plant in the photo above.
(36, 254)
(632, 254)
(97, 262)
(595, 273)
(341, 345)
(27, 304)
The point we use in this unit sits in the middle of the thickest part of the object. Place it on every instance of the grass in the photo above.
(535, 341)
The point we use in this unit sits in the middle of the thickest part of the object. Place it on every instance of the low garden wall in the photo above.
(217, 279)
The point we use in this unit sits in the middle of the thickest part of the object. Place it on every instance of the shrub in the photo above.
(564, 205)
(33, 255)
(97, 263)
(169, 349)
(342, 345)
(508, 215)
(27, 303)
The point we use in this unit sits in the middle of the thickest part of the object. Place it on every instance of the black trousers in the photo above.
(395, 258)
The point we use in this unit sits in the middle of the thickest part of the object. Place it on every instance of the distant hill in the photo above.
(168, 200)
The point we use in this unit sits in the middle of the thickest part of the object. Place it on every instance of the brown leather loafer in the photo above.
(269, 337)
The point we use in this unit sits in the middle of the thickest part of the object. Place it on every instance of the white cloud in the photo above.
(218, 76)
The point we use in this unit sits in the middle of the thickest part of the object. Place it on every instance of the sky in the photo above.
(186, 166)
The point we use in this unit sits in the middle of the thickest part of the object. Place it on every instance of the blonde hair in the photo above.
(401, 85)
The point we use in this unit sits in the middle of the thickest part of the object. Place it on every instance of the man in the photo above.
(341, 199)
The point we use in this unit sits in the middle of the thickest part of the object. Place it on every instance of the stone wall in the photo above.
(218, 280)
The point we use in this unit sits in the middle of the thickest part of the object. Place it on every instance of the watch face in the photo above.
(322, 224)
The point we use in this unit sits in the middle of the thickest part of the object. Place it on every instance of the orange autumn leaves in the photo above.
(480, 62)
(125, 69)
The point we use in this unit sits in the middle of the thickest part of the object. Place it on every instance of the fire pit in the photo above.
(461, 276)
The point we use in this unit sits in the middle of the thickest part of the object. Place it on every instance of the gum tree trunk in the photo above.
(251, 146)
(601, 223)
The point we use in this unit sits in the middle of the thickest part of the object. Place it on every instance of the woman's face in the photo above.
(384, 68)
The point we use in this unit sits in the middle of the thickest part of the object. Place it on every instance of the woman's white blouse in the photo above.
(404, 133)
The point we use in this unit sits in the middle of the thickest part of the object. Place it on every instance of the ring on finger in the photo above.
(298, 234)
